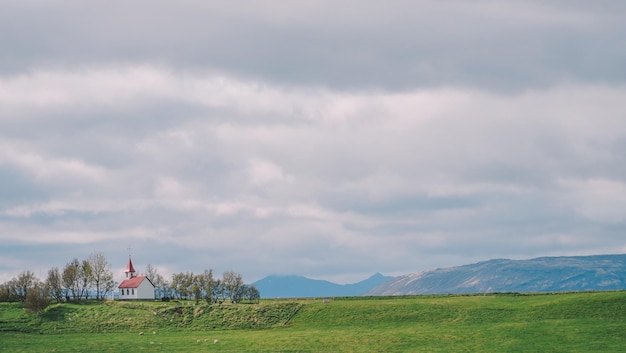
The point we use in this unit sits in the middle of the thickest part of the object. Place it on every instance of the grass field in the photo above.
(572, 322)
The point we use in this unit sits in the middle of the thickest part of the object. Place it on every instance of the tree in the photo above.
(8, 291)
(151, 272)
(182, 284)
(176, 284)
(85, 279)
(70, 278)
(5, 292)
(107, 285)
(160, 284)
(100, 271)
(217, 290)
(54, 284)
(25, 281)
(207, 282)
(196, 288)
(37, 298)
(252, 294)
(233, 284)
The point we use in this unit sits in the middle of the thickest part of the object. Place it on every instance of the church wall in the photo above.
(145, 290)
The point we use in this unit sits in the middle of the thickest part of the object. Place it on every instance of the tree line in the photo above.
(202, 287)
(76, 281)
(80, 279)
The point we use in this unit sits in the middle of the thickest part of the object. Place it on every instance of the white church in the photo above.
(135, 287)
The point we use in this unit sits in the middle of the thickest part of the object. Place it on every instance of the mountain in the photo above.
(544, 274)
(292, 286)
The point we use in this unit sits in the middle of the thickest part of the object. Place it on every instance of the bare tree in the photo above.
(217, 290)
(164, 287)
(107, 284)
(100, 271)
(17, 288)
(25, 281)
(7, 291)
(151, 272)
(160, 284)
(54, 284)
(206, 283)
(85, 279)
(196, 287)
(176, 284)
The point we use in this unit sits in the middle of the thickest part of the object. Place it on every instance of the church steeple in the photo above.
(130, 270)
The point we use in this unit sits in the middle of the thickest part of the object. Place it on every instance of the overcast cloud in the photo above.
(331, 140)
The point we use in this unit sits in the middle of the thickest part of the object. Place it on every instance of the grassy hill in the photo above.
(572, 322)
(103, 317)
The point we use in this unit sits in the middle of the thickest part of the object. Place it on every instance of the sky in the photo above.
(328, 139)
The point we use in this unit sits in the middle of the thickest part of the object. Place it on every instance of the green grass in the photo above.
(572, 322)
(107, 317)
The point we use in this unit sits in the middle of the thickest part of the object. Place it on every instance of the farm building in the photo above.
(135, 287)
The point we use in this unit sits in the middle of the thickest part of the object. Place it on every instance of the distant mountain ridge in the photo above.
(292, 286)
(544, 274)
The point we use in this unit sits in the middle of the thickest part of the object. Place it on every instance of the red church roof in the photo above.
(133, 282)
(129, 266)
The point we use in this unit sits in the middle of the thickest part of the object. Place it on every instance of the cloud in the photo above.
(309, 169)
(265, 172)
(392, 138)
(512, 45)
(600, 199)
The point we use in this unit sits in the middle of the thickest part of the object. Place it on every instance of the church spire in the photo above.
(130, 270)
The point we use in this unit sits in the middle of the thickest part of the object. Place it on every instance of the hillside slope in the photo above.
(119, 316)
(545, 274)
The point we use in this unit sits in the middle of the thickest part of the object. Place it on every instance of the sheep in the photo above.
(216, 341)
